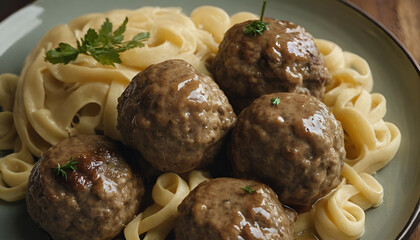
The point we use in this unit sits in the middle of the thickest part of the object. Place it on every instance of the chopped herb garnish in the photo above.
(248, 189)
(104, 46)
(275, 101)
(66, 168)
(257, 26)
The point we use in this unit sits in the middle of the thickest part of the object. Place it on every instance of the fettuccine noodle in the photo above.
(48, 103)
(168, 192)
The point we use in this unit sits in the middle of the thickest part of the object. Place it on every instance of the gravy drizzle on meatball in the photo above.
(220, 208)
(95, 201)
(174, 116)
(296, 147)
(283, 59)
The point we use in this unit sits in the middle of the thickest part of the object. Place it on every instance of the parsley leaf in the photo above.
(118, 34)
(63, 54)
(275, 101)
(257, 26)
(248, 189)
(63, 170)
(105, 56)
(104, 46)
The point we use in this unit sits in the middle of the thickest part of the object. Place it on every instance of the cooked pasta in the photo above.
(158, 220)
(370, 144)
(15, 167)
(57, 101)
(7, 96)
(48, 103)
(216, 21)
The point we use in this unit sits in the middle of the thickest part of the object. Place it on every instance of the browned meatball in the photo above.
(95, 201)
(174, 116)
(283, 59)
(228, 208)
(295, 147)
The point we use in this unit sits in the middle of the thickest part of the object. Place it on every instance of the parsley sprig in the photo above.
(104, 46)
(257, 27)
(248, 189)
(66, 168)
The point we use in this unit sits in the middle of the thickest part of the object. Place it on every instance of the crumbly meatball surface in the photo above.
(174, 116)
(283, 59)
(220, 208)
(95, 201)
(295, 147)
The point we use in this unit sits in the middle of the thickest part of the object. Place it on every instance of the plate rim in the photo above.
(414, 220)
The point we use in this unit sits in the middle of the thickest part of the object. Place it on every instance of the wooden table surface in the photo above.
(401, 17)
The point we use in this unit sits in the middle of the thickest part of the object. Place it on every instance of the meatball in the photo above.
(94, 201)
(283, 59)
(292, 143)
(229, 208)
(174, 116)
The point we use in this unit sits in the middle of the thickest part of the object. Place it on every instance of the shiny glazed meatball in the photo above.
(174, 116)
(95, 201)
(283, 59)
(295, 147)
(221, 209)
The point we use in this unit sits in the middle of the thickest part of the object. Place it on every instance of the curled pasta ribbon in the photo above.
(343, 80)
(7, 130)
(216, 21)
(8, 134)
(374, 141)
(172, 35)
(371, 160)
(15, 169)
(168, 192)
(336, 217)
(356, 72)
(158, 220)
(345, 67)
(333, 54)
(340, 215)
(196, 177)
(348, 70)
(212, 19)
(371, 191)
(8, 84)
